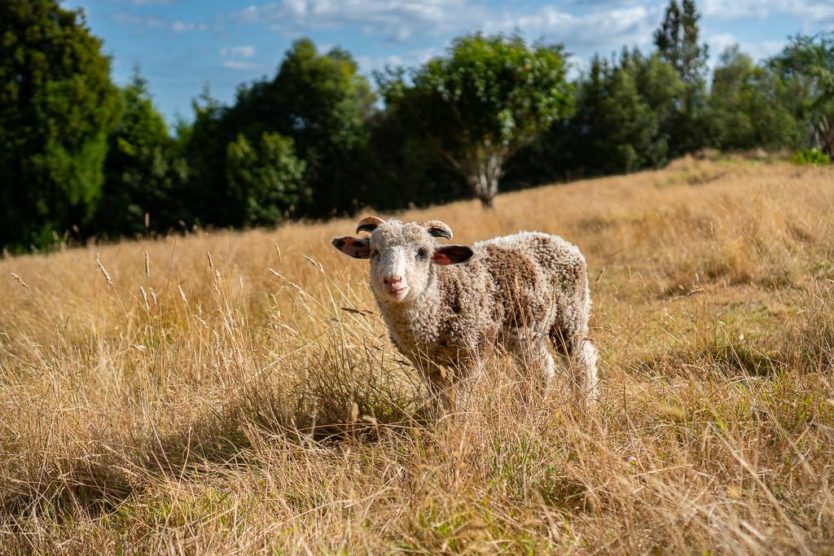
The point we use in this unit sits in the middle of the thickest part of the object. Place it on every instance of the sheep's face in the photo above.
(402, 256)
(400, 261)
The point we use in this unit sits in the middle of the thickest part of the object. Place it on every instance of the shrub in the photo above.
(811, 156)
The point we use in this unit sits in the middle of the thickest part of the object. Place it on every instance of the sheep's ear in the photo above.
(452, 254)
(437, 228)
(369, 224)
(358, 248)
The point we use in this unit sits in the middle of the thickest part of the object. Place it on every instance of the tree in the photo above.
(323, 104)
(142, 170)
(636, 99)
(479, 105)
(320, 102)
(806, 69)
(745, 108)
(265, 180)
(409, 171)
(622, 107)
(57, 105)
(677, 43)
(677, 40)
(203, 144)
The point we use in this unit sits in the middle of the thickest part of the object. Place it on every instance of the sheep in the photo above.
(449, 307)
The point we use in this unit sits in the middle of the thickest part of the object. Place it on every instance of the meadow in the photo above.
(235, 392)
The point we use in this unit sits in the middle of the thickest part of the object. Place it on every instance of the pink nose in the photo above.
(392, 281)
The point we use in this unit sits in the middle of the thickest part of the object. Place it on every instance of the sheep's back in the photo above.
(534, 276)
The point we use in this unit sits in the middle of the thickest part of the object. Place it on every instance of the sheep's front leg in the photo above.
(442, 388)
(532, 357)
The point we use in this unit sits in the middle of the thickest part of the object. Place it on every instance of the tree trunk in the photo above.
(824, 132)
(483, 176)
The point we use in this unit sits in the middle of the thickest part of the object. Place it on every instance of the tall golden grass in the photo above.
(236, 392)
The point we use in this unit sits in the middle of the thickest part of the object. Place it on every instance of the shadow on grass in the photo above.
(728, 359)
(323, 412)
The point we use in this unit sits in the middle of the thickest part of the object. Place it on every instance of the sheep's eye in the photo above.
(422, 253)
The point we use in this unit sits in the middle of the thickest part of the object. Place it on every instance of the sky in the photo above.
(182, 46)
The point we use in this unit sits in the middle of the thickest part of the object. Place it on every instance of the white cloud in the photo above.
(159, 23)
(373, 63)
(242, 51)
(241, 65)
(238, 57)
(397, 20)
(185, 26)
(406, 59)
(632, 25)
(603, 27)
(130, 19)
(738, 9)
(757, 50)
(810, 11)
(584, 26)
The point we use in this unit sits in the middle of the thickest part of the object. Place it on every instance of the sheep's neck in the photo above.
(416, 325)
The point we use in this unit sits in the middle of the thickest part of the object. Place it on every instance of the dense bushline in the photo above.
(80, 157)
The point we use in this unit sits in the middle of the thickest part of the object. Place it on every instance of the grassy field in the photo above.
(236, 392)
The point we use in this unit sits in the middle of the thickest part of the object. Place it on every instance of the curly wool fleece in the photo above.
(513, 293)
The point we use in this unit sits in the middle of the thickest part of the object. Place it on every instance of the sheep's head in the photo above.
(402, 255)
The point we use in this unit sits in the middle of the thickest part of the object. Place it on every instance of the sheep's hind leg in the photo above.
(585, 371)
(580, 357)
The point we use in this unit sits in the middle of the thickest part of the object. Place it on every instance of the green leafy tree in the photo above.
(677, 43)
(586, 134)
(203, 144)
(409, 171)
(143, 173)
(57, 106)
(639, 96)
(322, 103)
(806, 70)
(745, 107)
(618, 126)
(677, 40)
(483, 102)
(265, 179)
(629, 119)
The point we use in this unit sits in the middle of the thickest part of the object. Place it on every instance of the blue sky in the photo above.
(183, 45)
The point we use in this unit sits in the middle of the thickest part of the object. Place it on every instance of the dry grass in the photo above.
(235, 392)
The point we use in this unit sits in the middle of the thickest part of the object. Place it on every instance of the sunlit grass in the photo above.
(236, 392)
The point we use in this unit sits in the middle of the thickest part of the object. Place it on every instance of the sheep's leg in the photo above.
(571, 341)
(471, 371)
(584, 371)
(442, 388)
(531, 354)
(583, 352)
(570, 338)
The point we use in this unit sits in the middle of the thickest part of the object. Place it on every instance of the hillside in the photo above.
(236, 392)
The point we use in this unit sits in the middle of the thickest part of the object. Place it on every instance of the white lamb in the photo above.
(448, 307)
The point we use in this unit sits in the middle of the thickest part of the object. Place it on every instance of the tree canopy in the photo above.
(745, 110)
(143, 172)
(57, 106)
(484, 101)
(82, 157)
(321, 103)
(265, 179)
(806, 70)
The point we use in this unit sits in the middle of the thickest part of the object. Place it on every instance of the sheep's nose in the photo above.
(392, 280)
